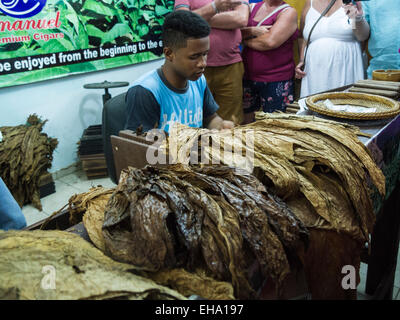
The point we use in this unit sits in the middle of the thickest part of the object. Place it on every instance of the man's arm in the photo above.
(233, 19)
(209, 10)
(142, 109)
(253, 32)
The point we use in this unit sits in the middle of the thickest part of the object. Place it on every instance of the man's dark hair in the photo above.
(181, 25)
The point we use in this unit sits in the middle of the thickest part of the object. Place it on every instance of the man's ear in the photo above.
(168, 53)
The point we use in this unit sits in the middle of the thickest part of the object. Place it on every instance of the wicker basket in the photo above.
(385, 107)
(386, 75)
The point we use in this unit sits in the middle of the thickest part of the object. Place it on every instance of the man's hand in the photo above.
(227, 124)
(218, 123)
(253, 32)
(260, 30)
(226, 5)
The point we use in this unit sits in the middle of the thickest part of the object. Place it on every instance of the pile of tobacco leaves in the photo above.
(25, 154)
(319, 168)
(89, 208)
(217, 219)
(301, 198)
(298, 197)
(309, 162)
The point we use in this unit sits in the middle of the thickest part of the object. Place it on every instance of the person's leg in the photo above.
(251, 100)
(276, 95)
(11, 216)
(225, 84)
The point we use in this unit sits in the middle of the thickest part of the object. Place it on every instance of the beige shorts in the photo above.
(225, 84)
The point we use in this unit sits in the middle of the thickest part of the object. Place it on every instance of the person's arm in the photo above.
(142, 109)
(361, 26)
(253, 32)
(299, 73)
(281, 31)
(233, 19)
(11, 215)
(209, 10)
(210, 118)
(365, 7)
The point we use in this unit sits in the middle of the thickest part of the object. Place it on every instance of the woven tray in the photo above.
(385, 107)
(386, 75)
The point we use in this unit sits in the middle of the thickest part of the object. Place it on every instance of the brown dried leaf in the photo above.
(81, 270)
(197, 283)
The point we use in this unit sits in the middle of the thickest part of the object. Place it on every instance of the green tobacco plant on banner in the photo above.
(42, 40)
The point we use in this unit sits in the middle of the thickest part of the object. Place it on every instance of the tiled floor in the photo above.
(77, 182)
(66, 186)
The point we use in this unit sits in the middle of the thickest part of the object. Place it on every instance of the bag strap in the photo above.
(272, 13)
(330, 5)
(252, 5)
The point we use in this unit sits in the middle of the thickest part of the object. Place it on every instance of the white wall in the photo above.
(68, 107)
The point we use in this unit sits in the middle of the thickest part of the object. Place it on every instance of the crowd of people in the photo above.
(250, 61)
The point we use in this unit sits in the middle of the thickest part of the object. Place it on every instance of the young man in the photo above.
(178, 91)
(224, 72)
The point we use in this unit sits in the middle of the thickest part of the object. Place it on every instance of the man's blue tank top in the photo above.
(185, 108)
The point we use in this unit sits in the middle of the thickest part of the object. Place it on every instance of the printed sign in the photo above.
(47, 39)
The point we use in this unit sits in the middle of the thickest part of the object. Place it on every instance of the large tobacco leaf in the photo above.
(81, 271)
(197, 283)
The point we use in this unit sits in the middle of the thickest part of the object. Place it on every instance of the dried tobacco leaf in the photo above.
(197, 283)
(287, 226)
(81, 270)
(79, 203)
(254, 222)
(350, 173)
(25, 155)
(93, 218)
(345, 134)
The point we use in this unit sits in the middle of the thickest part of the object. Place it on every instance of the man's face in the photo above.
(190, 62)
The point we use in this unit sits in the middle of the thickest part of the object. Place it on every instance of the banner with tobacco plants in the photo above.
(47, 39)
